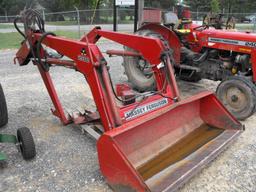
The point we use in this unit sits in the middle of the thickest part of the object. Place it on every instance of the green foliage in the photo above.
(57, 5)
(64, 5)
(13, 7)
(160, 3)
(199, 5)
(235, 6)
(215, 7)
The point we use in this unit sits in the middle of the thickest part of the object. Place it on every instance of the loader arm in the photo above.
(88, 59)
(154, 143)
(138, 43)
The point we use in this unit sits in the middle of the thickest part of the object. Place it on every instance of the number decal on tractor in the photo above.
(250, 44)
(232, 42)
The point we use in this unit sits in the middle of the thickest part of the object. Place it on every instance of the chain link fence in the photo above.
(89, 17)
(244, 21)
(240, 17)
(79, 21)
(76, 22)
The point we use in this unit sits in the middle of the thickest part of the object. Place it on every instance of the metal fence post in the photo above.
(254, 24)
(43, 13)
(6, 16)
(197, 14)
(136, 15)
(114, 16)
(78, 22)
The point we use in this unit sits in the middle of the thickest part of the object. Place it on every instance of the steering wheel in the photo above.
(201, 28)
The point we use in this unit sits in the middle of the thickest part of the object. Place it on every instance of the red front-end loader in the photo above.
(152, 141)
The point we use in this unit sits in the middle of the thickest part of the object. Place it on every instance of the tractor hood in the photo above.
(242, 42)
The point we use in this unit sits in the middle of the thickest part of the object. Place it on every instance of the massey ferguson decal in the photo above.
(232, 42)
(145, 109)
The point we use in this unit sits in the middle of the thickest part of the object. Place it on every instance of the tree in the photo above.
(199, 5)
(160, 3)
(215, 6)
(13, 7)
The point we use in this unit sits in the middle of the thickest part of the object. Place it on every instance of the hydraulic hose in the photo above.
(16, 26)
(202, 57)
(44, 65)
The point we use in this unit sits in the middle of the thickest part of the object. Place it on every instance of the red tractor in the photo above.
(200, 52)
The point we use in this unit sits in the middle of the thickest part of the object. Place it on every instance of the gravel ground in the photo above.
(67, 160)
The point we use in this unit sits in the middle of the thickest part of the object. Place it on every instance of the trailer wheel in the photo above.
(238, 94)
(137, 70)
(3, 108)
(26, 143)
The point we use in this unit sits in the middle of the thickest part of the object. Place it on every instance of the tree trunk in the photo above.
(97, 14)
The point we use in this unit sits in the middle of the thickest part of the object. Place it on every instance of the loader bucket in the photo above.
(162, 150)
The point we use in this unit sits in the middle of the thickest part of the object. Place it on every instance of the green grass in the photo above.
(244, 27)
(61, 23)
(68, 34)
(6, 26)
(12, 40)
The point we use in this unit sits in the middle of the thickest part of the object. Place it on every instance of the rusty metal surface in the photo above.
(175, 176)
(183, 148)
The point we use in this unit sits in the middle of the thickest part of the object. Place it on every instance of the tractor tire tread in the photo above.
(3, 108)
(250, 85)
(136, 77)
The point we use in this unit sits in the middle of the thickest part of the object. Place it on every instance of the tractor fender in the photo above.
(169, 35)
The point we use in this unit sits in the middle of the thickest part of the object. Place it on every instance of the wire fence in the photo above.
(79, 21)
(105, 16)
(240, 17)
(100, 16)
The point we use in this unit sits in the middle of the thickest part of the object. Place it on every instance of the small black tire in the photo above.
(26, 143)
(238, 95)
(3, 108)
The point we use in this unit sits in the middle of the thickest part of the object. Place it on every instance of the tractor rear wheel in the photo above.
(26, 143)
(3, 108)
(238, 94)
(137, 70)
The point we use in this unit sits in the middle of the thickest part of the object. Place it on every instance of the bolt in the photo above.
(234, 98)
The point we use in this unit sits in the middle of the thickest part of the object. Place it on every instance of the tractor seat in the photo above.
(171, 20)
